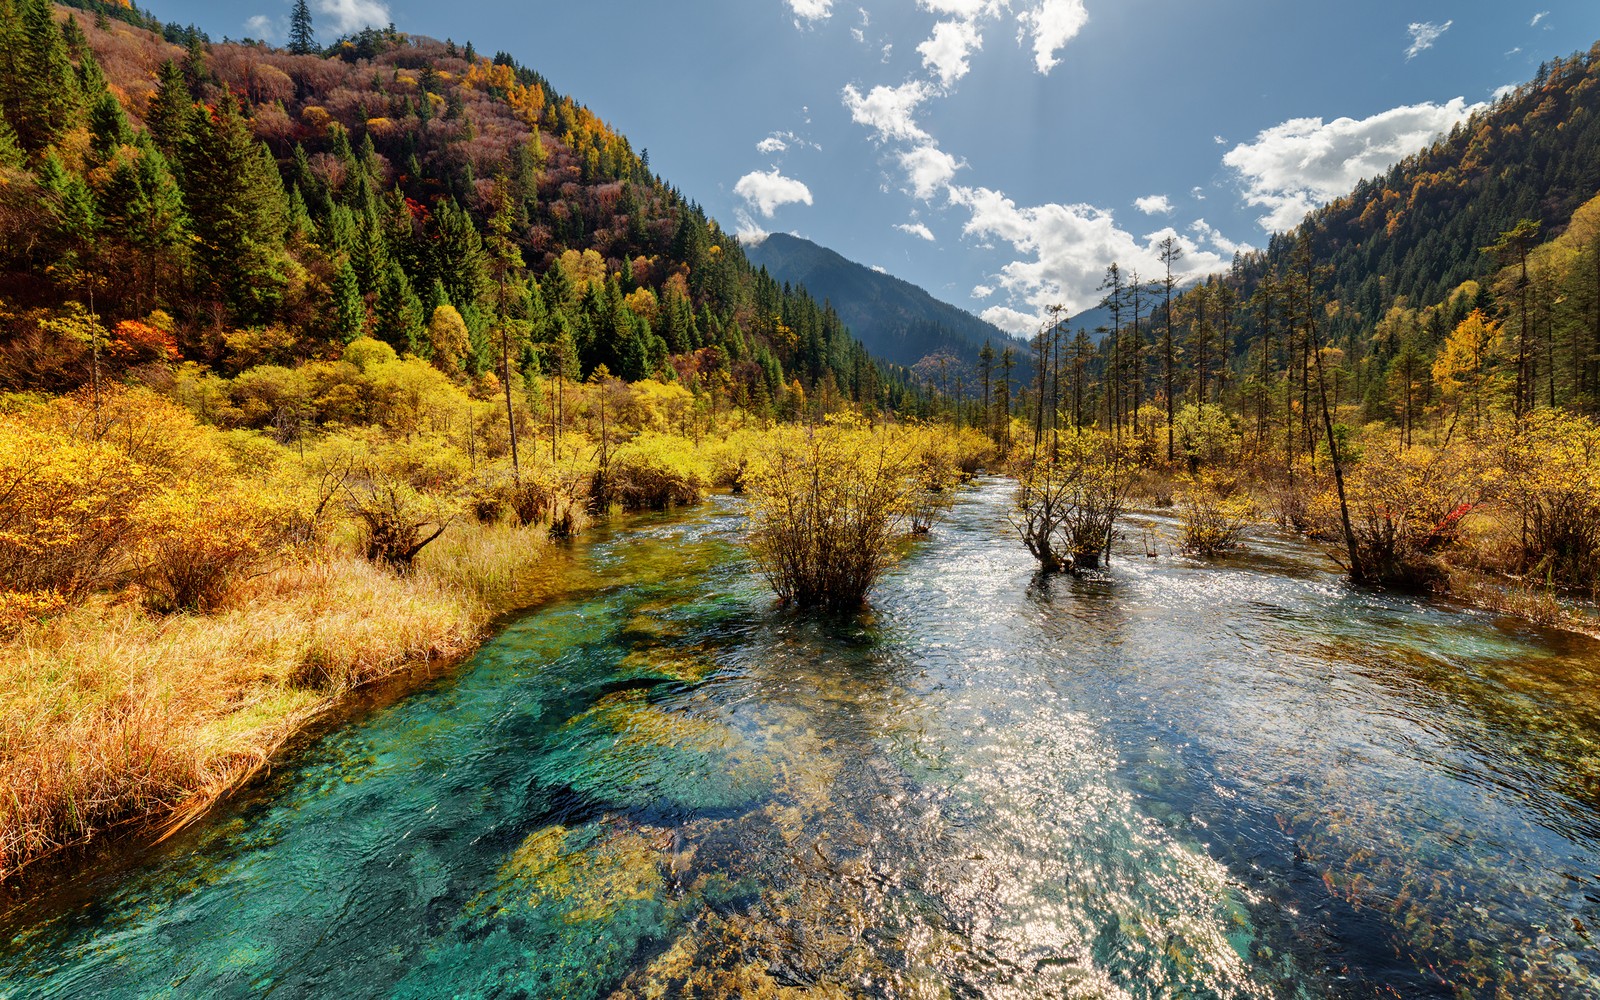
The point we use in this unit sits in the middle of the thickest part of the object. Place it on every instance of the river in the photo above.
(1178, 779)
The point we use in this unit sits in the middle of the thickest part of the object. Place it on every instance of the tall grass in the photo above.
(110, 714)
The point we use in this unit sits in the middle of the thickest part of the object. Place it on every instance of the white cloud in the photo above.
(1011, 320)
(1211, 234)
(859, 35)
(880, 269)
(1294, 167)
(748, 232)
(346, 16)
(1504, 90)
(766, 192)
(918, 230)
(1052, 23)
(1423, 35)
(982, 291)
(1198, 193)
(781, 142)
(889, 111)
(1537, 18)
(966, 10)
(263, 27)
(811, 10)
(1155, 204)
(946, 53)
(1066, 248)
(929, 169)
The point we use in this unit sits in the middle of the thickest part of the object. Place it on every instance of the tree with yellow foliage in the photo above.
(1464, 367)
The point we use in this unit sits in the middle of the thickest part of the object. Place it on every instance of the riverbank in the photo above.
(111, 716)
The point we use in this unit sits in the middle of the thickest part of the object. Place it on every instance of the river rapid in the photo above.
(1176, 779)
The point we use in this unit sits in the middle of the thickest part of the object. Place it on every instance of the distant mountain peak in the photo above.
(896, 320)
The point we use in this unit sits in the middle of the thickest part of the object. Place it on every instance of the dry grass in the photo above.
(109, 714)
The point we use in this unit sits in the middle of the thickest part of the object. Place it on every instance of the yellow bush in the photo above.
(827, 504)
(1215, 511)
(652, 472)
(190, 553)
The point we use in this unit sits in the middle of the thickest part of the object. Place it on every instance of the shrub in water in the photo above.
(827, 505)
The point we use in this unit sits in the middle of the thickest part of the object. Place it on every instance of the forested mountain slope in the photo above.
(246, 205)
(895, 319)
(1385, 276)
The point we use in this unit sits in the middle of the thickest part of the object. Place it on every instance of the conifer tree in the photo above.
(399, 312)
(144, 217)
(11, 155)
(170, 108)
(349, 311)
(302, 41)
(236, 201)
(39, 91)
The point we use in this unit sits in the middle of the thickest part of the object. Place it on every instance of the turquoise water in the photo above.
(1177, 780)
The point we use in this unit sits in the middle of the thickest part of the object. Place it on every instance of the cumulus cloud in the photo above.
(929, 169)
(771, 144)
(263, 27)
(889, 111)
(768, 191)
(1052, 23)
(1423, 35)
(916, 229)
(1294, 167)
(1537, 18)
(1211, 234)
(946, 53)
(1155, 204)
(1065, 251)
(345, 16)
(811, 10)
(982, 291)
(880, 269)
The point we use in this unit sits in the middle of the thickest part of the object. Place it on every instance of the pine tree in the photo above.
(302, 41)
(72, 222)
(170, 108)
(144, 218)
(235, 199)
(108, 128)
(11, 155)
(39, 91)
(458, 258)
(349, 311)
(399, 313)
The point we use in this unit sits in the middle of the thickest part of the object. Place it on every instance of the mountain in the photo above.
(1399, 264)
(265, 206)
(1419, 231)
(896, 320)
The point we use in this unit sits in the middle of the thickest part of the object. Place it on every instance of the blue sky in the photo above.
(1001, 152)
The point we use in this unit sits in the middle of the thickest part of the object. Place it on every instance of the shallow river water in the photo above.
(1240, 779)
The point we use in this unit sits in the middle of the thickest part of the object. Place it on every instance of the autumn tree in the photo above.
(1464, 366)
